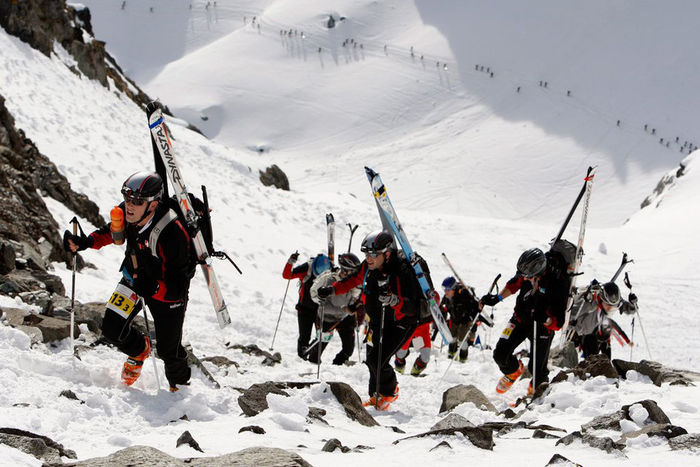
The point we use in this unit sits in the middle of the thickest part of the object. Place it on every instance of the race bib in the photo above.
(507, 331)
(123, 301)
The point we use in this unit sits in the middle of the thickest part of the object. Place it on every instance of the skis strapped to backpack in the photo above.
(163, 146)
(585, 190)
(388, 215)
(330, 231)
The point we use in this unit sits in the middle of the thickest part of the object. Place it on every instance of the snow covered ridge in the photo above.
(668, 181)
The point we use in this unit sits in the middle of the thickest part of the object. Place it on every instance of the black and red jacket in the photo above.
(402, 283)
(306, 280)
(173, 266)
(548, 301)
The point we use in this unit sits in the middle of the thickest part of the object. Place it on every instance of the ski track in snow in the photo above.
(97, 138)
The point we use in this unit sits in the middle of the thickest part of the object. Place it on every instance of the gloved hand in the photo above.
(632, 299)
(325, 292)
(389, 299)
(293, 258)
(82, 242)
(491, 299)
(145, 286)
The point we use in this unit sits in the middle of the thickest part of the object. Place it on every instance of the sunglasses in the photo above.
(374, 254)
(135, 201)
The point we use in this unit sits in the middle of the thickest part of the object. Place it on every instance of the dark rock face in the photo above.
(41, 447)
(465, 393)
(186, 438)
(273, 176)
(352, 404)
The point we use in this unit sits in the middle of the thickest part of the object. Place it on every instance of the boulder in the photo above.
(333, 444)
(258, 430)
(558, 459)
(656, 429)
(274, 176)
(565, 356)
(41, 447)
(254, 399)
(352, 404)
(479, 437)
(656, 415)
(465, 393)
(606, 444)
(657, 372)
(186, 438)
(596, 365)
(7, 258)
(452, 420)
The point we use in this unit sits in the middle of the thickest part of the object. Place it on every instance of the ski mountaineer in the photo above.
(543, 293)
(420, 340)
(306, 308)
(463, 309)
(339, 311)
(392, 301)
(590, 316)
(157, 268)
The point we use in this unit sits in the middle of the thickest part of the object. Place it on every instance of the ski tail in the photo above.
(330, 232)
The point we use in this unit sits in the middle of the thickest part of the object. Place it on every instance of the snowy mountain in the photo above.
(450, 145)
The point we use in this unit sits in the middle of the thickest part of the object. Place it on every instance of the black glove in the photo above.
(293, 258)
(83, 242)
(389, 299)
(325, 292)
(145, 286)
(632, 299)
(491, 299)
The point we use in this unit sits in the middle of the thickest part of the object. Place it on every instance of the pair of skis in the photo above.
(391, 221)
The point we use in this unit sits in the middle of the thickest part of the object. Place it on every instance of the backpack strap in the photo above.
(158, 228)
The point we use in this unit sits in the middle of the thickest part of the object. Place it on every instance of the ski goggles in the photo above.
(374, 254)
(134, 199)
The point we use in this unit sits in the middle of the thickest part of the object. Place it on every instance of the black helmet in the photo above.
(377, 242)
(450, 283)
(610, 293)
(349, 262)
(532, 262)
(143, 187)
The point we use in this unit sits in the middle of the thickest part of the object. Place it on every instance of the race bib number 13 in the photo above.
(122, 301)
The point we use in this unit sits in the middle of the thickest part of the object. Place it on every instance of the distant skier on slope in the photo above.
(306, 308)
(463, 309)
(544, 290)
(339, 311)
(590, 316)
(158, 267)
(392, 301)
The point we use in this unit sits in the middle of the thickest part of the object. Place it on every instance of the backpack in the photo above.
(424, 315)
(203, 225)
(561, 259)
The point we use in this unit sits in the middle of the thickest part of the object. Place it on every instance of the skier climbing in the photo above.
(463, 309)
(157, 268)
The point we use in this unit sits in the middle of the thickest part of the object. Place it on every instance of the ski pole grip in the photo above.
(134, 263)
(75, 228)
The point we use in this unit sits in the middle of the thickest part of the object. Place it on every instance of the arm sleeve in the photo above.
(347, 284)
(298, 272)
(101, 237)
(514, 284)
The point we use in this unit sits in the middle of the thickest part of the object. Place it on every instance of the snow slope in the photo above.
(97, 138)
(469, 139)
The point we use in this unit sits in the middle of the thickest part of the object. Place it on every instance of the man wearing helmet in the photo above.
(339, 312)
(157, 268)
(543, 294)
(463, 309)
(306, 307)
(590, 316)
(392, 301)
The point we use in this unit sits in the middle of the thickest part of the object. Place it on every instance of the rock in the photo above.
(68, 394)
(689, 441)
(396, 429)
(221, 361)
(52, 329)
(564, 357)
(656, 415)
(253, 349)
(558, 459)
(331, 445)
(452, 420)
(560, 377)
(541, 434)
(273, 176)
(254, 399)
(253, 428)
(186, 438)
(273, 360)
(465, 393)
(146, 455)
(443, 444)
(509, 413)
(606, 444)
(656, 429)
(479, 437)
(7, 258)
(352, 404)
(605, 422)
(658, 373)
(91, 313)
(316, 413)
(596, 365)
(41, 447)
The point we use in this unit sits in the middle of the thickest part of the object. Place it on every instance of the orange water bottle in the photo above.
(117, 225)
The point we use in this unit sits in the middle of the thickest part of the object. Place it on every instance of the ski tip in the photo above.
(370, 173)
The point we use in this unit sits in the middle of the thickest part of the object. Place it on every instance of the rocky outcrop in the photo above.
(658, 373)
(465, 393)
(273, 176)
(352, 404)
(41, 447)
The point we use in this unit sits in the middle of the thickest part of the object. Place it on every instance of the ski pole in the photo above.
(359, 345)
(632, 339)
(624, 263)
(73, 221)
(284, 298)
(320, 342)
(352, 232)
(639, 317)
(534, 355)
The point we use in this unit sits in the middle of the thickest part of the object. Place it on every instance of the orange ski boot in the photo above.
(132, 366)
(507, 381)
